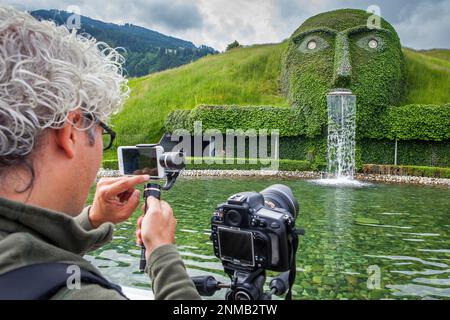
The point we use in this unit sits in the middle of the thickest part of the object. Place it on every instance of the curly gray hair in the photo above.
(46, 72)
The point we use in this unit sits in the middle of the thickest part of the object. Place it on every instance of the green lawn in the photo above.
(428, 76)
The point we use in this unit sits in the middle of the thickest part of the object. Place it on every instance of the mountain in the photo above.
(147, 51)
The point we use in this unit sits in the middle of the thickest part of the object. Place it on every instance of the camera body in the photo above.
(251, 232)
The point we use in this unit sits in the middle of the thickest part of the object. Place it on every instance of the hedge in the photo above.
(422, 122)
(237, 117)
(418, 171)
(110, 164)
(177, 119)
(296, 165)
(284, 165)
(411, 152)
(409, 122)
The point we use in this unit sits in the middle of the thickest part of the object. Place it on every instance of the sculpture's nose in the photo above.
(342, 64)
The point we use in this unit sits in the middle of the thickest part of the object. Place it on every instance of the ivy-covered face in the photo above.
(337, 50)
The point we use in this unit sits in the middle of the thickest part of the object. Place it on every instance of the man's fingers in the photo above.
(106, 181)
(133, 202)
(125, 184)
(126, 195)
(138, 237)
(166, 209)
(153, 205)
(139, 221)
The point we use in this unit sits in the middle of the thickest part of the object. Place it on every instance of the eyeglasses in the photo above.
(108, 134)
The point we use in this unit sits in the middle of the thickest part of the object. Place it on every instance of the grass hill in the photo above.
(247, 76)
(244, 76)
(428, 76)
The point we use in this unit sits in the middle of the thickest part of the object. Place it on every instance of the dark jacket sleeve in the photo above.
(83, 220)
(170, 280)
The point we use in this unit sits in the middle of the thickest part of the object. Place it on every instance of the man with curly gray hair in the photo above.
(57, 91)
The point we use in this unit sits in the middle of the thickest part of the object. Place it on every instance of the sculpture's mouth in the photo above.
(340, 92)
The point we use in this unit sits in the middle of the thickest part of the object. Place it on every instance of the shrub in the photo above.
(238, 117)
(420, 122)
(420, 171)
(283, 165)
(410, 122)
(177, 119)
(110, 164)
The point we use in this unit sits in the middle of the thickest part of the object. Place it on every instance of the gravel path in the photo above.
(298, 175)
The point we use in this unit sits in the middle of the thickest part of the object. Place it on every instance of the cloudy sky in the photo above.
(421, 24)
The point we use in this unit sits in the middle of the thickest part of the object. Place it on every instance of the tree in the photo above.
(233, 45)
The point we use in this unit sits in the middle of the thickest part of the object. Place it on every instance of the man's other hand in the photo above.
(157, 227)
(115, 199)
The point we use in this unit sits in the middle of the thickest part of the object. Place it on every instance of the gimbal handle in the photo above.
(151, 189)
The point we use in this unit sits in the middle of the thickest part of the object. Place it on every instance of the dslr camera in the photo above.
(253, 232)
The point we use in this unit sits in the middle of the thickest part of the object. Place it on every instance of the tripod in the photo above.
(244, 285)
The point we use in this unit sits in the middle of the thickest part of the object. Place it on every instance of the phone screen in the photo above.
(137, 161)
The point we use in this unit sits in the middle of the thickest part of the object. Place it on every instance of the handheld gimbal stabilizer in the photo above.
(154, 189)
(172, 163)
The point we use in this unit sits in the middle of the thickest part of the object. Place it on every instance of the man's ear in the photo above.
(67, 136)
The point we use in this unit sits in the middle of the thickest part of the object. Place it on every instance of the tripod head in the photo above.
(244, 285)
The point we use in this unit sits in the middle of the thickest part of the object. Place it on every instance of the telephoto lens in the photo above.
(281, 196)
(172, 161)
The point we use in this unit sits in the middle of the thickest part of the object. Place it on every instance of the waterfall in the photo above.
(341, 133)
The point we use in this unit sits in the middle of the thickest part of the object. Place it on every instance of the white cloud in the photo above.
(427, 26)
(420, 23)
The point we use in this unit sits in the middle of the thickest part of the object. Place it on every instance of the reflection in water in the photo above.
(403, 230)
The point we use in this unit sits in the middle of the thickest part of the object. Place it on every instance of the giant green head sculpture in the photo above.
(339, 49)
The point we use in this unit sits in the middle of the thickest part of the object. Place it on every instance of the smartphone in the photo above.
(142, 160)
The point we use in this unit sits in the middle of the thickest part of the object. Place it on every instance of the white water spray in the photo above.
(341, 133)
(341, 139)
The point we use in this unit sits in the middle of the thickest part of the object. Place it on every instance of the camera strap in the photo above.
(293, 269)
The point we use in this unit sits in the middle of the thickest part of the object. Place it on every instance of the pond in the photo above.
(375, 242)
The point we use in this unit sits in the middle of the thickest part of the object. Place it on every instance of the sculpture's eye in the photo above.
(312, 44)
(371, 43)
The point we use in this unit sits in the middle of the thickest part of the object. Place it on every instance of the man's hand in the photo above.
(157, 226)
(115, 199)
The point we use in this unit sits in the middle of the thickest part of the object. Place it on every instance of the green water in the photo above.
(398, 234)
